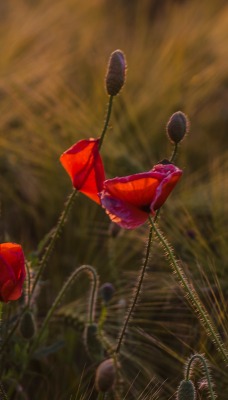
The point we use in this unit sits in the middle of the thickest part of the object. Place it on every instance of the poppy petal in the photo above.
(12, 271)
(137, 189)
(171, 175)
(122, 213)
(84, 165)
(129, 200)
(11, 290)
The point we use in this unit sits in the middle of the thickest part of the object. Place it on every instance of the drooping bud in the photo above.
(105, 376)
(27, 325)
(186, 391)
(177, 127)
(92, 344)
(106, 291)
(115, 76)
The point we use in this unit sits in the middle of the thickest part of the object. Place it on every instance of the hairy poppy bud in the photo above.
(115, 77)
(27, 325)
(186, 391)
(177, 127)
(105, 376)
(106, 291)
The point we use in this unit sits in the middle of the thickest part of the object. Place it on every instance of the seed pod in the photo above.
(27, 325)
(105, 376)
(177, 127)
(186, 391)
(115, 76)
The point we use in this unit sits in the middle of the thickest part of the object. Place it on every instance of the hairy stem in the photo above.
(54, 237)
(192, 296)
(137, 292)
(107, 118)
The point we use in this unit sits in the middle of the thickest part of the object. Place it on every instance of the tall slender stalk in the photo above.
(57, 230)
(137, 292)
(192, 296)
(107, 119)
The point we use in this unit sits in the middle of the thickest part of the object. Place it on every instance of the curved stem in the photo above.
(135, 299)
(107, 118)
(28, 282)
(192, 296)
(203, 361)
(174, 152)
(54, 237)
(92, 301)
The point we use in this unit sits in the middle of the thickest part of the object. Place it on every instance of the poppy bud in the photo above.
(186, 391)
(115, 77)
(107, 290)
(93, 345)
(27, 325)
(105, 376)
(177, 127)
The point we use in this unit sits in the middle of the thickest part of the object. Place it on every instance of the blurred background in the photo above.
(52, 69)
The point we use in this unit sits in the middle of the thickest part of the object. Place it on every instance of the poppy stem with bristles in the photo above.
(174, 152)
(57, 230)
(191, 294)
(107, 119)
(137, 292)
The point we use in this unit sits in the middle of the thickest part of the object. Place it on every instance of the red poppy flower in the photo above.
(83, 163)
(129, 200)
(12, 271)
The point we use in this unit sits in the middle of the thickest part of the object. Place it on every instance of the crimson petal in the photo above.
(84, 165)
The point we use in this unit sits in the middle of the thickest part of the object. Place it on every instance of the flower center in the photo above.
(145, 208)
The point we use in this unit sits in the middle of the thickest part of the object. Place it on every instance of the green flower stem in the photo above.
(174, 153)
(107, 118)
(137, 292)
(207, 374)
(56, 233)
(191, 294)
(103, 317)
(92, 301)
(28, 286)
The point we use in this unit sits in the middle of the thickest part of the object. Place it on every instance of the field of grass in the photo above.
(52, 68)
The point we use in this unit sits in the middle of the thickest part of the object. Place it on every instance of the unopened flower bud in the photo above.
(105, 376)
(186, 391)
(27, 325)
(106, 291)
(115, 77)
(177, 127)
